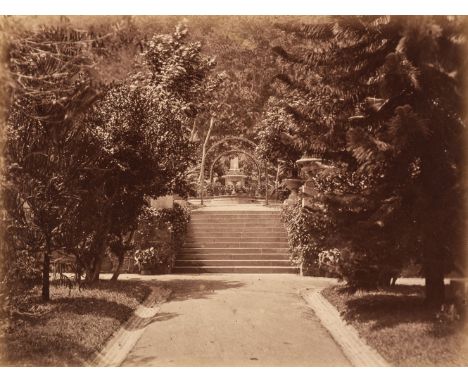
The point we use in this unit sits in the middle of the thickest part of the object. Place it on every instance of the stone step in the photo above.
(229, 263)
(274, 214)
(272, 211)
(191, 236)
(236, 217)
(221, 200)
(237, 224)
(233, 218)
(236, 256)
(232, 269)
(231, 239)
(237, 244)
(240, 230)
(235, 232)
(233, 251)
(237, 213)
(210, 225)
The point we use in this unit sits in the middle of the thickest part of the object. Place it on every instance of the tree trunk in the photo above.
(93, 270)
(434, 254)
(202, 165)
(100, 250)
(434, 270)
(46, 271)
(193, 131)
(97, 269)
(125, 246)
(434, 287)
(119, 267)
(277, 181)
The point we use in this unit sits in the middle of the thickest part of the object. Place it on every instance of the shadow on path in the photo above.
(184, 289)
(181, 290)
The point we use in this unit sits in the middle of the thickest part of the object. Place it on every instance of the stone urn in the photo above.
(292, 184)
(309, 165)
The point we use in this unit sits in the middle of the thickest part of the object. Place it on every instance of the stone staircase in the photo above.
(235, 242)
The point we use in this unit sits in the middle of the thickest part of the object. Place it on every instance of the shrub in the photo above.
(362, 270)
(308, 232)
(329, 260)
(156, 259)
(319, 251)
(175, 220)
(160, 235)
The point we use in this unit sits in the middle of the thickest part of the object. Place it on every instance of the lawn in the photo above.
(67, 330)
(401, 328)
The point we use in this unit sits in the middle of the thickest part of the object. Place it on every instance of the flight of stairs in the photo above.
(235, 242)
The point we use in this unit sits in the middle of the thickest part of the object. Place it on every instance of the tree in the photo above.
(142, 126)
(275, 138)
(83, 158)
(394, 117)
(52, 89)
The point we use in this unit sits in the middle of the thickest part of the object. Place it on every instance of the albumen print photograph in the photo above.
(233, 191)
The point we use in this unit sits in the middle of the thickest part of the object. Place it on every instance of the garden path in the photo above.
(236, 320)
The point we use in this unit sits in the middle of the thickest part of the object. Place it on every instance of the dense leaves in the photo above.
(308, 235)
(382, 97)
(101, 121)
(85, 156)
(159, 237)
(52, 90)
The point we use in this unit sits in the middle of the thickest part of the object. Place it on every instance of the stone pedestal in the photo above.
(309, 167)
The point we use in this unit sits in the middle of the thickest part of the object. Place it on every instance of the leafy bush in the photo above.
(308, 232)
(329, 260)
(320, 251)
(154, 258)
(159, 237)
(175, 220)
(25, 269)
(362, 270)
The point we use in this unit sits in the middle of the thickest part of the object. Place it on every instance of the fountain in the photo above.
(234, 177)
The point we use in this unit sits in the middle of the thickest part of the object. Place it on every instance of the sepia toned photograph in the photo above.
(235, 191)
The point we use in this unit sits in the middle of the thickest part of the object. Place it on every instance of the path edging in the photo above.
(124, 339)
(355, 349)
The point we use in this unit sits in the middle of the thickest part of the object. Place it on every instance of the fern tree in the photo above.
(383, 97)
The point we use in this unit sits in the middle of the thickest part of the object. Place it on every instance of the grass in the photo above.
(397, 323)
(68, 330)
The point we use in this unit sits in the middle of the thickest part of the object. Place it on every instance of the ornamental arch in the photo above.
(237, 140)
(236, 151)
